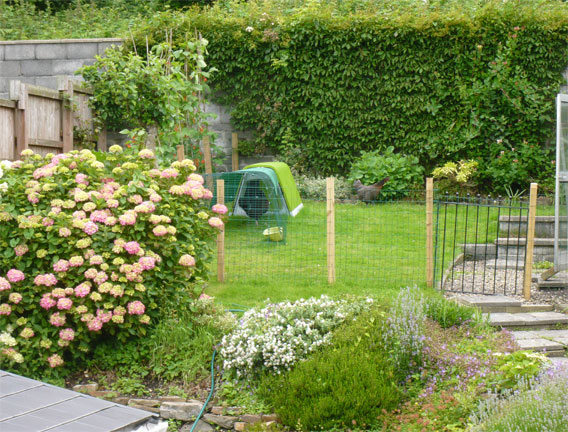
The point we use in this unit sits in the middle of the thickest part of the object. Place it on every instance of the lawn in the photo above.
(379, 249)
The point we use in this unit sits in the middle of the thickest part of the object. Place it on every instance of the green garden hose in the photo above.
(210, 393)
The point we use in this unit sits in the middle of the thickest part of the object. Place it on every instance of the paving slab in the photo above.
(502, 264)
(505, 319)
(489, 300)
(540, 344)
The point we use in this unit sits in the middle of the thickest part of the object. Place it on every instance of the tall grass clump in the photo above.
(539, 405)
(448, 313)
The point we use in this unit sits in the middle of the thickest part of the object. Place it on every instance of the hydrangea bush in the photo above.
(95, 244)
(274, 338)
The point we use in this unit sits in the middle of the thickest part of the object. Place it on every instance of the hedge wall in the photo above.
(320, 84)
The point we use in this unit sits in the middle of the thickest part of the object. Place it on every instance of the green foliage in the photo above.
(95, 245)
(450, 313)
(315, 187)
(320, 83)
(455, 177)
(240, 394)
(514, 367)
(344, 385)
(164, 90)
(404, 172)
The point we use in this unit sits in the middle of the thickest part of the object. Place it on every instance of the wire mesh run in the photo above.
(480, 244)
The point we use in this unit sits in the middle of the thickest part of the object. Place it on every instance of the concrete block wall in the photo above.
(39, 62)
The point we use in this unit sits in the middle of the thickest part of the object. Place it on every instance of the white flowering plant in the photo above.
(274, 338)
(94, 245)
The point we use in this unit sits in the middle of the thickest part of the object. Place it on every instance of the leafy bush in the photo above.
(276, 337)
(345, 385)
(96, 245)
(316, 188)
(404, 172)
(321, 82)
(455, 177)
(450, 313)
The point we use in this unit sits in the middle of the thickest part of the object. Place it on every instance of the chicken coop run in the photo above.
(262, 196)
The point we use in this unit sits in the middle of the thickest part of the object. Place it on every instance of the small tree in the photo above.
(159, 98)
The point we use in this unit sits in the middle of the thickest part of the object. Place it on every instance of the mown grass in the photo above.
(379, 249)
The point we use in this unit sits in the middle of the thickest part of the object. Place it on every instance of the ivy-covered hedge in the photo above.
(321, 83)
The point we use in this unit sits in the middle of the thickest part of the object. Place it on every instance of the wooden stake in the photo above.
(19, 93)
(207, 159)
(102, 140)
(67, 117)
(429, 233)
(235, 146)
(180, 152)
(330, 183)
(530, 243)
(221, 235)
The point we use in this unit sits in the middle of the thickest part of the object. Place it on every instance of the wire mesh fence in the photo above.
(480, 244)
(379, 243)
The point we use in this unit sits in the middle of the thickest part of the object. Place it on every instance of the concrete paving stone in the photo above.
(37, 67)
(550, 317)
(553, 333)
(539, 344)
(82, 50)
(50, 51)
(531, 334)
(536, 308)
(502, 264)
(505, 319)
(489, 300)
(563, 341)
(529, 318)
(19, 52)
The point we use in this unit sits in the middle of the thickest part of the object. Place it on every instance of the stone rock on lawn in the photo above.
(226, 422)
(251, 418)
(171, 399)
(201, 427)
(145, 402)
(180, 410)
(220, 410)
(240, 426)
(270, 418)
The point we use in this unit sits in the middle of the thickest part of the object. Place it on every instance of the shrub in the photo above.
(404, 172)
(450, 313)
(345, 385)
(455, 177)
(316, 188)
(321, 82)
(276, 337)
(96, 245)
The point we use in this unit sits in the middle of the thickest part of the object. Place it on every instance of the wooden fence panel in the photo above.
(7, 129)
(44, 123)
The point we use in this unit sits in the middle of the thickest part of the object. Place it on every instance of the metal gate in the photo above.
(480, 244)
(561, 207)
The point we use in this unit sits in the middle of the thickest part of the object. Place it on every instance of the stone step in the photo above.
(552, 342)
(544, 225)
(532, 320)
(497, 303)
(556, 283)
(506, 264)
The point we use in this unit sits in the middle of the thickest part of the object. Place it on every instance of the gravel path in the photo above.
(475, 277)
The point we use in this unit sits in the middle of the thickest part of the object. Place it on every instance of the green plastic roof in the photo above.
(286, 181)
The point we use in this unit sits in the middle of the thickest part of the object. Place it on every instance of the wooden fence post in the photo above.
(330, 183)
(180, 152)
(18, 92)
(208, 165)
(221, 235)
(429, 233)
(102, 140)
(530, 242)
(67, 116)
(235, 152)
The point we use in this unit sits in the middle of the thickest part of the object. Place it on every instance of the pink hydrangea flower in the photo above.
(132, 247)
(64, 303)
(160, 230)
(47, 222)
(90, 273)
(33, 198)
(207, 194)
(155, 198)
(196, 177)
(99, 216)
(136, 199)
(56, 210)
(128, 218)
(169, 173)
(57, 319)
(96, 260)
(215, 222)
(5, 309)
(76, 261)
(79, 214)
(104, 316)
(47, 302)
(14, 275)
(21, 250)
(187, 260)
(146, 154)
(101, 277)
(90, 228)
(145, 207)
(27, 333)
(196, 193)
(219, 209)
(136, 308)
(112, 203)
(58, 293)
(15, 298)
(67, 334)
(64, 232)
(47, 279)
(81, 179)
(177, 190)
(147, 263)
(82, 290)
(55, 360)
(89, 253)
(95, 324)
(4, 284)
(61, 266)
(110, 221)
(154, 172)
